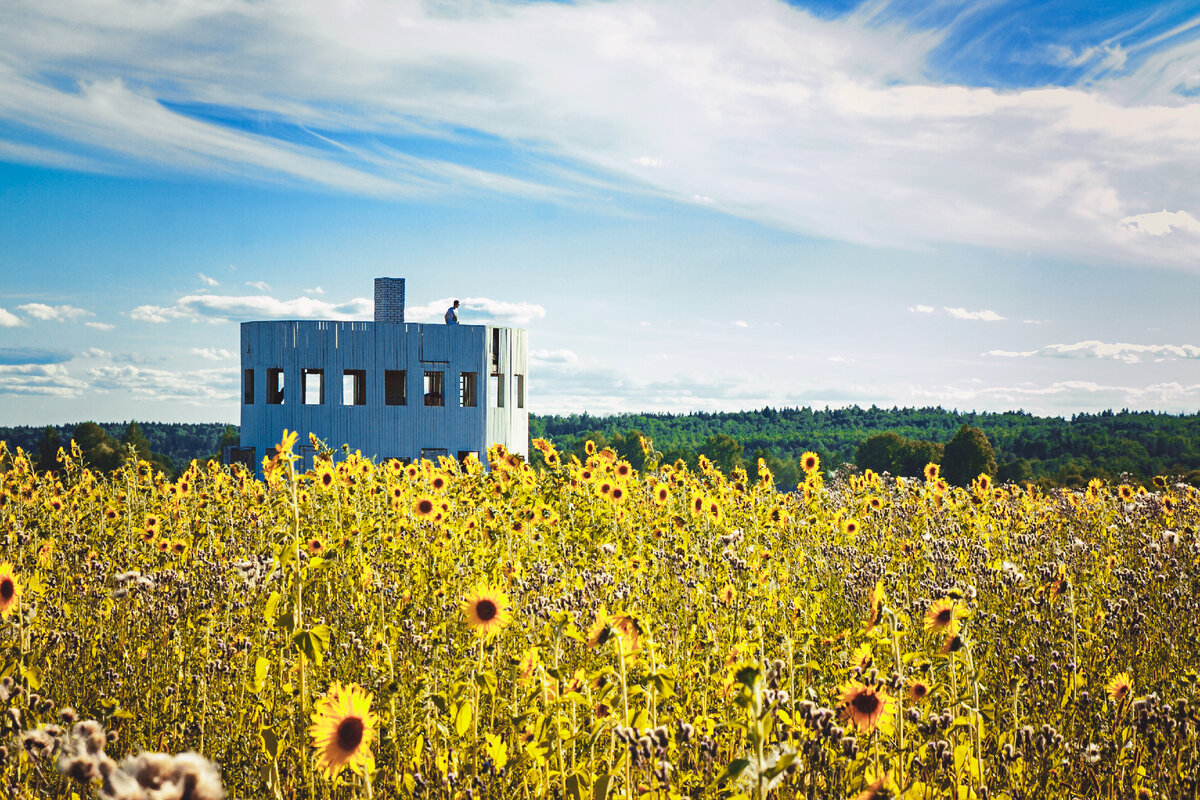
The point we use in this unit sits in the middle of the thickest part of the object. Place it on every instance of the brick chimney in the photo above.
(389, 300)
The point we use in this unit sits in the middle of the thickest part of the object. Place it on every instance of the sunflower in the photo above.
(850, 526)
(1118, 688)
(932, 471)
(864, 705)
(589, 447)
(1125, 492)
(727, 593)
(487, 611)
(424, 507)
(343, 727)
(810, 462)
(325, 477)
(662, 495)
(10, 590)
(943, 616)
(918, 690)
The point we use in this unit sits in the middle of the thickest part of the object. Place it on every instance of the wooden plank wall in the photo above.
(378, 430)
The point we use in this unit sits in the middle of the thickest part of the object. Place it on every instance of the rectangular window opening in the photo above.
(394, 393)
(275, 386)
(312, 386)
(520, 391)
(468, 389)
(248, 387)
(496, 391)
(354, 387)
(495, 350)
(435, 388)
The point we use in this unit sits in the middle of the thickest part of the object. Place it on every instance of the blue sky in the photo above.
(690, 205)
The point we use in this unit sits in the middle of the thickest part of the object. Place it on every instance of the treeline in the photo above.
(1049, 451)
(168, 446)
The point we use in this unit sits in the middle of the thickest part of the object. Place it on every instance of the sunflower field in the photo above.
(579, 630)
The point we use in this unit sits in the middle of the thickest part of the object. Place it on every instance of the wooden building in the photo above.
(387, 388)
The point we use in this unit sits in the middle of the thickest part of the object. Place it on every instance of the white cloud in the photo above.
(101, 326)
(194, 387)
(920, 309)
(477, 310)
(985, 315)
(315, 290)
(561, 357)
(1160, 223)
(42, 380)
(221, 308)
(96, 352)
(207, 281)
(63, 313)
(262, 286)
(741, 323)
(824, 126)
(8, 319)
(1121, 351)
(212, 353)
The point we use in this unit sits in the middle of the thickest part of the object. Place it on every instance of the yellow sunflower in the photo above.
(10, 590)
(864, 705)
(424, 507)
(943, 616)
(1118, 688)
(343, 727)
(932, 471)
(810, 462)
(487, 611)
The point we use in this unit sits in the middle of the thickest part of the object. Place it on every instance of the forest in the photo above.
(1048, 451)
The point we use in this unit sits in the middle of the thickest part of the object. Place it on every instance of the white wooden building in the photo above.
(387, 388)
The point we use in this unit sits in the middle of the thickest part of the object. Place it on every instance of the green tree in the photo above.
(100, 451)
(881, 452)
(133, 437)
(724, 451)
(48, 449)
(968, 454)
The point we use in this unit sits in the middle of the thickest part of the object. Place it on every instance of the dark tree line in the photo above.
(168, 447)
(1050, 451)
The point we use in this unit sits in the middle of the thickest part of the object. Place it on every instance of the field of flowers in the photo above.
(582, 630)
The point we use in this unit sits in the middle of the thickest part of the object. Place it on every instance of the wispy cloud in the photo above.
(207, 281)
(542, 357)
(222, 308)
(48, 313)
(193, 387)
(833, 127)
(920, 309)
(8, 319)
(262, 286)
(40, 380)
(212, 353)
(1160, 223)
(101, 326)
(1120, 351)
(984, 315)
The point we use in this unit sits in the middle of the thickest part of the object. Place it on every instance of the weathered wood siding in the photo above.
(376, 429)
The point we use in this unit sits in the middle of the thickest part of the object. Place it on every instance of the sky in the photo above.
(709, 205)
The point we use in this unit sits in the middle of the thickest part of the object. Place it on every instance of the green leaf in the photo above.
(462, 719)
(600, 787)
(260, 675)
(731, 772)
(269, 741)
(313, 642)
(271, 608)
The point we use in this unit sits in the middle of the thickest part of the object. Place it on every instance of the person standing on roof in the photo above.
(452, 314)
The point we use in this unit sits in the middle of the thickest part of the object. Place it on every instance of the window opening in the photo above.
(435, 389)
(495, 350)
(354, 387)
(467, 455)
(467, 389)
(394, 392)
(248, 387)
(312, 386)
(496, 391)
(520, 391)
(275, 386)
